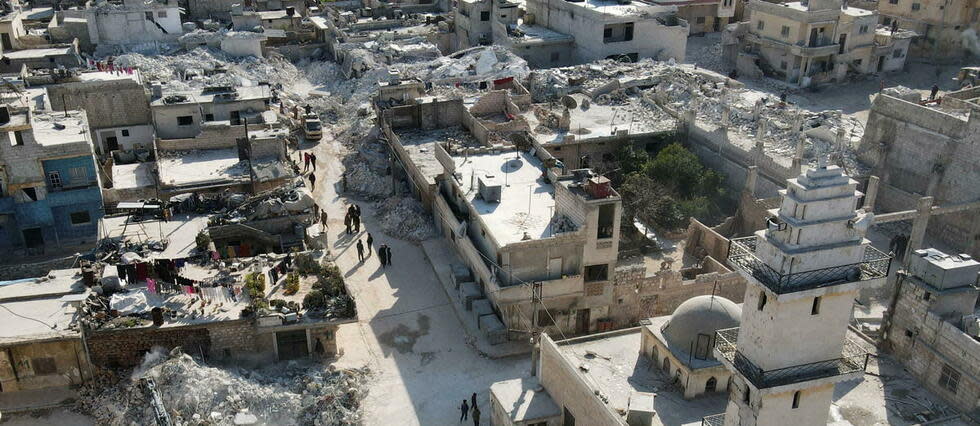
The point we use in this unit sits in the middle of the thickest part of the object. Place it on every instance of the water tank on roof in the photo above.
(489, 188)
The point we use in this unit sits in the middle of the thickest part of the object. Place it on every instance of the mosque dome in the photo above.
(700, 315)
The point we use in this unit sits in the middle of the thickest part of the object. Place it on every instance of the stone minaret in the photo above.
(804, 272)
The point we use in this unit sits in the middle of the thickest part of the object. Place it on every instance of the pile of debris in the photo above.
(404, 218)
(680, 88)
(192, 392)
(287, 200)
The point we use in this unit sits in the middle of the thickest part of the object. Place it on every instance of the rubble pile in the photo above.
(681, 88)
(291, 393)
(363, 181)
(404, 218)
(282, 201)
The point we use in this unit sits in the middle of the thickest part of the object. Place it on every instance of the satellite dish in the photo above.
(569, 102)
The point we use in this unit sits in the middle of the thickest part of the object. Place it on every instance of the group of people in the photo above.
(352, 220)
(309, 159)
(472, 409)
(384, 252)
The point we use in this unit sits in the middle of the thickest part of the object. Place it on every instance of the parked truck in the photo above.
(312, 128)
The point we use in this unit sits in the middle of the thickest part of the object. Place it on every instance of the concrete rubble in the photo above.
(196, 393)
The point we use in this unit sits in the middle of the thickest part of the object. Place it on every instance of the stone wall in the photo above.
(125, 348)
(570, 390)
(19, 365)
(925, 343)
(107, 103)
(637, 296)
(920, 151)
(32, 270)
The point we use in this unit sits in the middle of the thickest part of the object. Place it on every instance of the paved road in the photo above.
(408, 334)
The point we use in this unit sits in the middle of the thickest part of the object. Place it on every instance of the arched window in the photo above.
(666, 365)
(711, 385)
(656, 354)
(762, 299)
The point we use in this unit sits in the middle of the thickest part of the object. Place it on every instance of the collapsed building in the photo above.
(117, 23)
(926, 149)
(815, 42)
(363, 38)
(558, 33)
(932, 325)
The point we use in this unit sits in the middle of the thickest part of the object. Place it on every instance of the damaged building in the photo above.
(117, 23)
(362, 38)
(948, 30)
(813, 42)
(51, 193)
(559, 33)
(927, 149)
(44, 356)
(933, 326)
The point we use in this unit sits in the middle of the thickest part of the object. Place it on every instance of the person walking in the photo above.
(312, 181)
(934, 92)
(306, 162)
(313, 161)
(464, 410)
(382, 256)
(347, 222)
(357, 223)
(388, 254)
(323, 218)
(360, 251)
(370, 240)
(476, 416)
(473, 400)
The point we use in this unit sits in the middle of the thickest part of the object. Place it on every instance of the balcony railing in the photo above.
(853, 359)
(741, 255)
(715, 420)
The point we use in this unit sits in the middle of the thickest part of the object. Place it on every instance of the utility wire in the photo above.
(53, 327)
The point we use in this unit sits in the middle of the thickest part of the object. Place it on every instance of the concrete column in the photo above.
(750, 180)
(841, 135)
(757, 110)
(923, 210)
(726, 112)
(871, 194)
(760, 130)
(798, 122)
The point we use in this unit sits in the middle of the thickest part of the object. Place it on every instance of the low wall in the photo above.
(124, 348)
(570, 390)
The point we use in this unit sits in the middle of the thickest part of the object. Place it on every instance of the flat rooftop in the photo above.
(614, 7)
(132, 176)
(59, 128)
(525, 399)
(530, 33)
(109, 76)
(526, 202)
(179, 232)
(604, 117)
(627, 371)
(38, 308)
(56, 283)
(244, 93)
(38, 53)
(889, 395)
(421, 146)
(202, 166)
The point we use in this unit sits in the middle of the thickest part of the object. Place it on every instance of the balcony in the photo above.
(715, 420)
(741, 255)
(853, 359)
